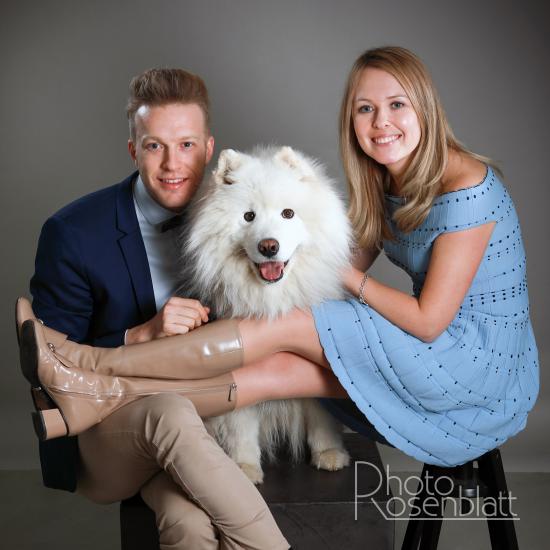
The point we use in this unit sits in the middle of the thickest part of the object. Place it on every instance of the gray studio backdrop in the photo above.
(275, 71)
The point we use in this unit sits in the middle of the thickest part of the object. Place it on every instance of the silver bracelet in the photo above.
(362, 287)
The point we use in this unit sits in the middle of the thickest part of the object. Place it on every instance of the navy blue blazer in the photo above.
(92, 281)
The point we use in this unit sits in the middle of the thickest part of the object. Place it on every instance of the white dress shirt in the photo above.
(162, 249)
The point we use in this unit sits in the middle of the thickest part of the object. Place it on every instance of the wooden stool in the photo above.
(487, 481)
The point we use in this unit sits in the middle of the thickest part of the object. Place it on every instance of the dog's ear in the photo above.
(228, 162)
(296, 161)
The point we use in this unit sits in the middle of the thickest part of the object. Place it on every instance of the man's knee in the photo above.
(190, 530)
(181, 522)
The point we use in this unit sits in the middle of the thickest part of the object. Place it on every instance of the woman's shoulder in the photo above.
(462, 172)
(471, 195)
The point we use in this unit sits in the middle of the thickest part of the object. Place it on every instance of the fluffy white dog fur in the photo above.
(272, 194)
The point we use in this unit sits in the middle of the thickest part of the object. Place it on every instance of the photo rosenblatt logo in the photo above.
(458, 503)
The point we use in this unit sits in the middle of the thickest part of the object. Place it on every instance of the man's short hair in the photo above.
(156, 87)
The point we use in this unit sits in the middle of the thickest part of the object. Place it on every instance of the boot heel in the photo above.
(42, 401)
(49, 424)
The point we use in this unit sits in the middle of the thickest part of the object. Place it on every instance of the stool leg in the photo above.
(413, 534)
(432, 527)
(502, 532)
(421, 532)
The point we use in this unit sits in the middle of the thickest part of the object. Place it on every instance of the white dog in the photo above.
(269, 234)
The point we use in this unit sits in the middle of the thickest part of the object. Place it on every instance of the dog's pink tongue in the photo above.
(271, 271)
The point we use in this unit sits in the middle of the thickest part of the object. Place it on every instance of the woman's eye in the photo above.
(249, 216)
(287, 213)
(397, 104)
(365, 109)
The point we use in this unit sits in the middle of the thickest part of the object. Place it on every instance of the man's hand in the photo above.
(177, 316)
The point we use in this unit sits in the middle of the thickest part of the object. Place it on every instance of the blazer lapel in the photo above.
(133, 249)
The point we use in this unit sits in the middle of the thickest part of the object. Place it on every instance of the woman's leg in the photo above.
(284, 375)
(74, 399)
(256, 340)
(208, 351)
(294, 332)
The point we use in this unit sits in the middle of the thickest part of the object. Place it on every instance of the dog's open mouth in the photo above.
(271, 272)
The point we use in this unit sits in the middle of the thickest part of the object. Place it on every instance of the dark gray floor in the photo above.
(36, 518)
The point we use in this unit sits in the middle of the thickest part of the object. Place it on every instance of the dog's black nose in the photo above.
(268, 247)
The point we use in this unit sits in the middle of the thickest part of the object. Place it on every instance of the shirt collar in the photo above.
(152, 211)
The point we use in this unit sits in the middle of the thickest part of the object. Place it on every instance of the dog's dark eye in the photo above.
(249, 216)
(287, 213)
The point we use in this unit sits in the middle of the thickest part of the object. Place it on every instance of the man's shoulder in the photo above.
(97, 205)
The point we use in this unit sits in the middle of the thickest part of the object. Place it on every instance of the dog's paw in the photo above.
(330, 459)
(253, 472)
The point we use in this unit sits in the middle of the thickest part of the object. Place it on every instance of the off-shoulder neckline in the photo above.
(489, 171)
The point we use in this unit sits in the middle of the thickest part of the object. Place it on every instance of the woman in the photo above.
(445, 375)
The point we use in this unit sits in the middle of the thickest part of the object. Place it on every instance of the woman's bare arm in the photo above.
(454, 262)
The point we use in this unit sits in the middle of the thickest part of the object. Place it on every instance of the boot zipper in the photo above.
(107, 395)
(58, 358)
(232, 390)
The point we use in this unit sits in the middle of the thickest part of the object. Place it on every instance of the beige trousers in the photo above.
(202, 500)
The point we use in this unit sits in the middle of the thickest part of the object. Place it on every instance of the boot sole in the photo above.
(16, 327)
(28, 353)
(39, 426)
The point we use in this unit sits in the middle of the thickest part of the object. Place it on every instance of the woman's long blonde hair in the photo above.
(421, 182)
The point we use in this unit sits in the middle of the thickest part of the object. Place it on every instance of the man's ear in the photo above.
(228, 162)
(296, 161)
(209, 149)
(132, 150)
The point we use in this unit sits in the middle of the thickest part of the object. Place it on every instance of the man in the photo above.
(106, 274)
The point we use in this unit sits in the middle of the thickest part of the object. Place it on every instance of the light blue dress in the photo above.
(468, 391)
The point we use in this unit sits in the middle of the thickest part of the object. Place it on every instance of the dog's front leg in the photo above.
(244, 442)
(324, 437)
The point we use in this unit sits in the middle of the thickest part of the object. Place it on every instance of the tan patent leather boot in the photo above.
(24, 312)
(75, 399)
(205, 352)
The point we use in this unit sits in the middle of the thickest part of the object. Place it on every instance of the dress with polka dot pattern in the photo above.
(451, 400)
